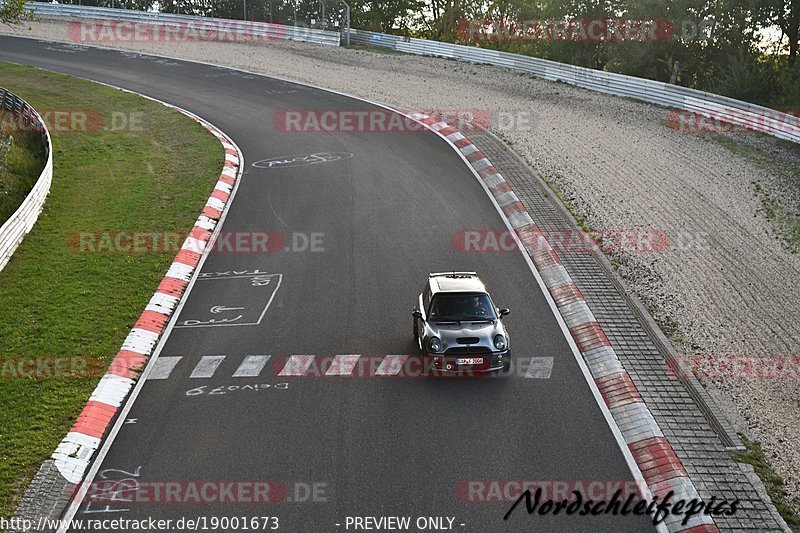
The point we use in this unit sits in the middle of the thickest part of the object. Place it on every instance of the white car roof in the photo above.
(456, 282)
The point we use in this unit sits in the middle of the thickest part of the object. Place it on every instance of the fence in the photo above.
(20, 223)
(202, 25)
(713, 106)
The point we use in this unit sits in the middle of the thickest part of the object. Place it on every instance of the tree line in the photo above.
(745, 49)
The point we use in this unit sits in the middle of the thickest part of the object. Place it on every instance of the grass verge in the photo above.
(154, 174)
(755, 457)
(22, 158)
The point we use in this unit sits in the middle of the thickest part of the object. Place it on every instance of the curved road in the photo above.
(369, 446)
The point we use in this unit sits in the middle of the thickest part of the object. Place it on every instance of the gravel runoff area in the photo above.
(726, 280)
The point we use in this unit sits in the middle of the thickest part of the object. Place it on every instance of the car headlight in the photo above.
(435, 344)
(500, 342)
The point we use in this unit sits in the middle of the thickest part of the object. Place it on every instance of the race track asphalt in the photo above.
(371, 446)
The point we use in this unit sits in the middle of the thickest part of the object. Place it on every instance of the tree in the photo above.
(387, 16)
(13, 12)
(786, 15)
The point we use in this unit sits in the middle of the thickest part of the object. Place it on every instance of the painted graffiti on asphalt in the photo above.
(302, 160)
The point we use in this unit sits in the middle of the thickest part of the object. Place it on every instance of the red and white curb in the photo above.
(660, 466)
(73, 455)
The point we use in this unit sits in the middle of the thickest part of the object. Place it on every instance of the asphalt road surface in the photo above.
(214, 417)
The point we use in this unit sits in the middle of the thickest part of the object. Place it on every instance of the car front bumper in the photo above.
(490, 362)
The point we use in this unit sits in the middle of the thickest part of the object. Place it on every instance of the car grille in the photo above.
(467, 350)
(468, 340)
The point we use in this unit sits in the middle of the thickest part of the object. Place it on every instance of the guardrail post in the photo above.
(347, 22)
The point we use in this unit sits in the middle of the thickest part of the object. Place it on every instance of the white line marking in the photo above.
(198, 324)
(297, 365)
(83, 489)
(342, 365)
(391, 365)
(252, 366)
(540, 368)
(236, 277)
(163, 366)
(278, 286)
(236, 274)
(206, 367)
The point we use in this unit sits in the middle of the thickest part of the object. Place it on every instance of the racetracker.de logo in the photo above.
(236, 242)
(509, 490)
(71, 121)
(131, 490)
(50, 367)
(566, 30)
(747, 367)
(732, 120)
(385, 121)
(111, 31)
(635, 240)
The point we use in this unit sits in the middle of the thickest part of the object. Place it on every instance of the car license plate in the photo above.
(470, 361)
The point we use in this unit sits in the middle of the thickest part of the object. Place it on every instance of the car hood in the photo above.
(483, 331)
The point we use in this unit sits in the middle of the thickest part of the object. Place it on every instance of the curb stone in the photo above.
(652, 452)
(58, 478)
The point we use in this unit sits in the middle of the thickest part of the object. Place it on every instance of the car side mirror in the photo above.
(504, 312)
(416, 314)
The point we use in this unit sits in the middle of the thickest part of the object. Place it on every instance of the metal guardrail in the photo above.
(713, 106)
(203, 27)
(20, 223)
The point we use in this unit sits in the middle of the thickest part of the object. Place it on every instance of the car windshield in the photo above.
(461, 307)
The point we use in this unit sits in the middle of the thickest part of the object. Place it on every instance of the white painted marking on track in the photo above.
(391, 365)
(297, 365)
(540, 368)
(257, 280)
(163, 366)
(251, 366)
(342, 365)
(206, 367)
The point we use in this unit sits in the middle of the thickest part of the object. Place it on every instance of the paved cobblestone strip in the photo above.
(661, 467)
(59, 477)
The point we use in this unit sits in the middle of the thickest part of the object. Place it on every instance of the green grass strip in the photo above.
(22, 158)
(56, 303)
(774, 483)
